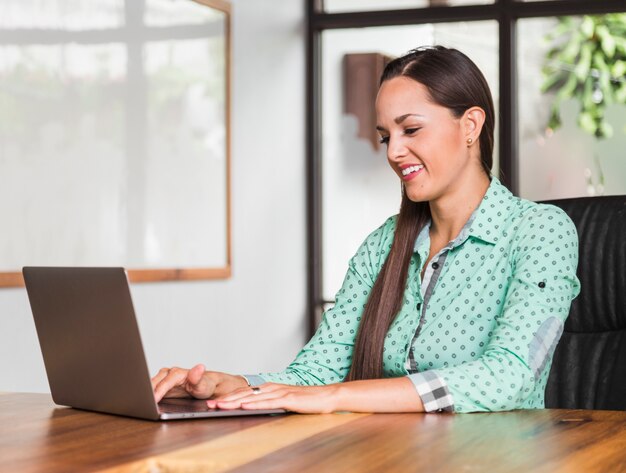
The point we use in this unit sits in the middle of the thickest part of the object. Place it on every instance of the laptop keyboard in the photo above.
(183, 405)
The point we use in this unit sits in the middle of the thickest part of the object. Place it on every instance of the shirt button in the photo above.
(435, 265)
(542, 284)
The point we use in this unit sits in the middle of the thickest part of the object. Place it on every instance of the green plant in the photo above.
(587, 62)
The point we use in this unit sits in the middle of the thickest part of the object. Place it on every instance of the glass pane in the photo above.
(336, 6)
(186, 120)
(572, 106)
(61, 14)
(117, 150)
(62, 119)
(359, 189)
(180, 12)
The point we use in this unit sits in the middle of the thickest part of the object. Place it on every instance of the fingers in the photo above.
(304, 399)
(178, 382)
(195, 374)
(276, 403)
(248, 391)
(237, 398)
(199, 383)
(255, 403)
(160, 376)
(174, 377)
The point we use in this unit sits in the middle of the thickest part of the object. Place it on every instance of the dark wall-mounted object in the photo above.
(361, 73)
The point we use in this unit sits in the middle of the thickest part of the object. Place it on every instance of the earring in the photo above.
(469, 141)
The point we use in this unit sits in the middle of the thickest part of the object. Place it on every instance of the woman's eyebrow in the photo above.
(400, 119)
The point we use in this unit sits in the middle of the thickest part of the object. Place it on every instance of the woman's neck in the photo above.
(451, 212)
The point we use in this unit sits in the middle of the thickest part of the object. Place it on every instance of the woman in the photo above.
(457, 303)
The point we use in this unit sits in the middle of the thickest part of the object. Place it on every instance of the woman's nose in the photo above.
(395, 150)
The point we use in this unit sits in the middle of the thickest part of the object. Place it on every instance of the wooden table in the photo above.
(36, 436)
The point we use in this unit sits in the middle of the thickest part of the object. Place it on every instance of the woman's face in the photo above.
(426, 145)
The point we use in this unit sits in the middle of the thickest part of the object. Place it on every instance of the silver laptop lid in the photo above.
(89, 339)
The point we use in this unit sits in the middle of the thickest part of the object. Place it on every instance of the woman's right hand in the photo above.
(196, 382)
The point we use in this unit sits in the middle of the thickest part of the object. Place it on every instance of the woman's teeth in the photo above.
(409, 170)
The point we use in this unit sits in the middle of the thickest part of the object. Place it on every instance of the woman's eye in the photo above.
(384, 140)
(410, 131)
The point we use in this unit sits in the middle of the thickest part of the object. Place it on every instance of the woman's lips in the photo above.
(410, 172)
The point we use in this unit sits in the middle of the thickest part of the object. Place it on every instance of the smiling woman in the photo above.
(456, 303)
(354, 173)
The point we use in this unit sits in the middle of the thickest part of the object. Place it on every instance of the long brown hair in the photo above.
(455, 82)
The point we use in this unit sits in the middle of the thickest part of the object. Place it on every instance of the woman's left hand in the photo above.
(302, 399)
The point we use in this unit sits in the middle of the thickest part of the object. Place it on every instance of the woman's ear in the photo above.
(473, 120)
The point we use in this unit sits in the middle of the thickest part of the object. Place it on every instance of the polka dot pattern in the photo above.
(515, 270)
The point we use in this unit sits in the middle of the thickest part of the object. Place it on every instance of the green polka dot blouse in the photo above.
(479, 333)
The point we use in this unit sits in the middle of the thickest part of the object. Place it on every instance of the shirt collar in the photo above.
(422, 243)
(492, 213)
(484, 223)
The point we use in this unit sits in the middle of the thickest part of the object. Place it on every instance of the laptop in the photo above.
(92, 349)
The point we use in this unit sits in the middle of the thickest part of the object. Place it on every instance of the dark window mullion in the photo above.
(519, 9)
(314, 169)
(413, 16)
(507, 52)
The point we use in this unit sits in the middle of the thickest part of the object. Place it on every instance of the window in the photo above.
(103, 105)
(575, 155)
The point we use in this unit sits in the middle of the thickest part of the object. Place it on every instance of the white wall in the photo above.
(254, 321)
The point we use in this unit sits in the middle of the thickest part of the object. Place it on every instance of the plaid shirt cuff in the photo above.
(253, 379)
(433, 390)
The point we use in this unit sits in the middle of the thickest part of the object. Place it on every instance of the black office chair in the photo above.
(589, 367)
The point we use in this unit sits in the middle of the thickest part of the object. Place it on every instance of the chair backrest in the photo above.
(589, 366)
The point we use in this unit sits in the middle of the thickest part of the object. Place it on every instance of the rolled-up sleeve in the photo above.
(433, 391)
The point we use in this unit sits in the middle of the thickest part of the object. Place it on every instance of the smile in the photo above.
(411, 171)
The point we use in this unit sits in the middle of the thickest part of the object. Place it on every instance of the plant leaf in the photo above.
(608, 45)
(587, 123)
(584, 62)
(586, 98)
(568, 88)
(554, 121)
(620, 94)
(587, 62)
(618, 70)
(553, 81)
(587, 26)
(569, 53)
(604, 130)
